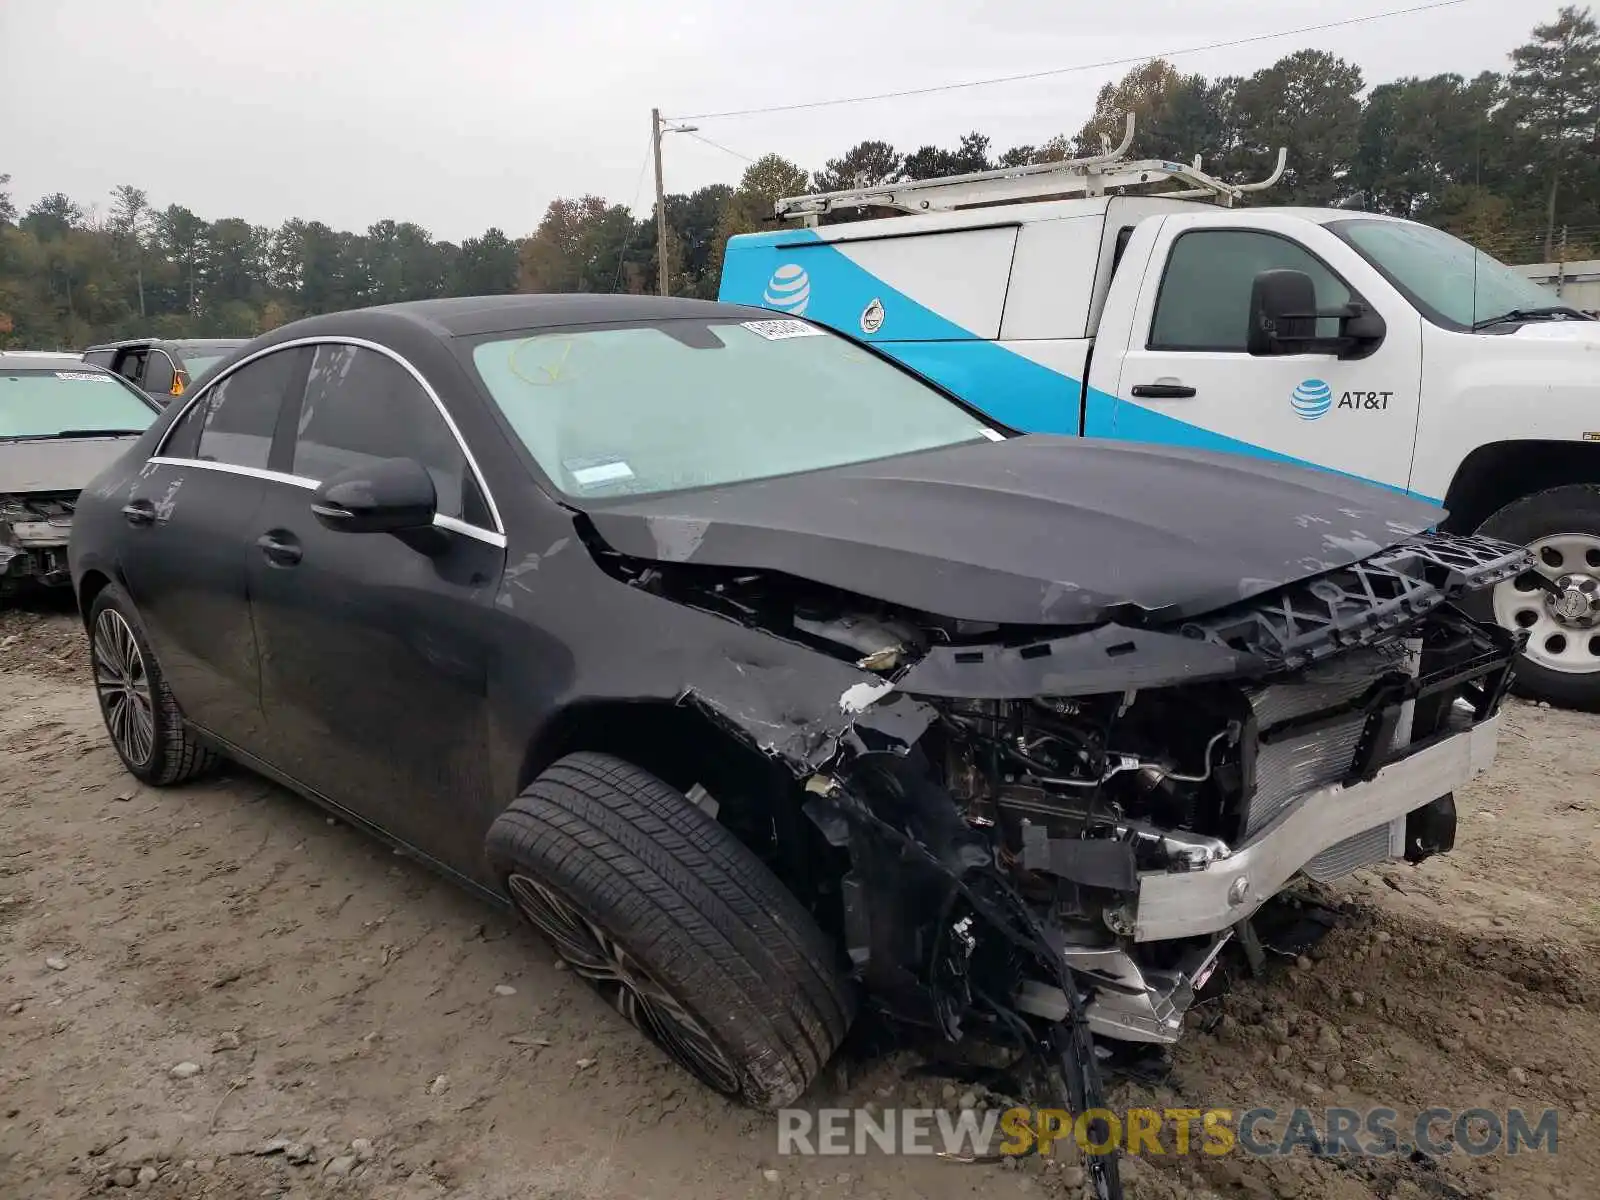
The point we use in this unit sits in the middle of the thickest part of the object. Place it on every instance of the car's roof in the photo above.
(469, 316)
(179, 344)
(45, 360)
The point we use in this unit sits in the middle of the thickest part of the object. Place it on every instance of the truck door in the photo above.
(1185, 378)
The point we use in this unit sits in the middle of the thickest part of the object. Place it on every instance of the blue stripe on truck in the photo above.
(794, 271)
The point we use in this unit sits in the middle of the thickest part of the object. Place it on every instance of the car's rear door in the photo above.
(375, 655)
(183, 556)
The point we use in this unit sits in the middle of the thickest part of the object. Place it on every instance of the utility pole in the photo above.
(663, 268)
(662, 271)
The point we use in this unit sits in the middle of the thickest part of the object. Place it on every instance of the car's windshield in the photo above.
(689, 403)
(49, 403)
(1449, 280)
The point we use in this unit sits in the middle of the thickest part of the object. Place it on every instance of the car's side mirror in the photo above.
(1284, 316)
(391, 495)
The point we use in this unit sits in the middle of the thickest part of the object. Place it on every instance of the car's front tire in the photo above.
(141, 715)
(1562, 527)
(676, 922)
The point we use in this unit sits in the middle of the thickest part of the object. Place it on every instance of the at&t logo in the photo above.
(1311, 399)
(789, 290)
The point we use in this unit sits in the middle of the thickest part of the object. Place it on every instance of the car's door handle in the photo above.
(139, 512)
(1163, 391)
(281, 549)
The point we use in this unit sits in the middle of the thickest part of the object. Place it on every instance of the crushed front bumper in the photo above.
(1179, 904)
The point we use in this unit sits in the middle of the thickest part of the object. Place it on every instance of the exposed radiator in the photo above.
(1295, 763)
(1298, 764)
(1370, 846)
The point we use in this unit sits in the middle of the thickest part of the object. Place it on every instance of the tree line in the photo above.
(1510, 161)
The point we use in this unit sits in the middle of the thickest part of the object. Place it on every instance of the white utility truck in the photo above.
(1363, 344)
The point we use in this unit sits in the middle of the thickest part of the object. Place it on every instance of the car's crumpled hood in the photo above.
(1032, 530)
(56, 465)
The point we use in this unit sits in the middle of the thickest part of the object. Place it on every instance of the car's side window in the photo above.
(360, 406)
(241, 412)
(100, 358)
(130, 365)
(183, 439)
(1204, 303)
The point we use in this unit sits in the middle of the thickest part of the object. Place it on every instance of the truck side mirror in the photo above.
(1283, 307)
(1284, 316)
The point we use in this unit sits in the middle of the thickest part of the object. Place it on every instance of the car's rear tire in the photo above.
(141, 715)
(1562, 661)
(677, 923)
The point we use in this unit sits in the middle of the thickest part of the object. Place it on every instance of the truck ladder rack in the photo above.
(1092, 176)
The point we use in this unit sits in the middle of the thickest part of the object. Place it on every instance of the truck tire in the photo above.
(676, 922)
(1562, 527)
(147, 728)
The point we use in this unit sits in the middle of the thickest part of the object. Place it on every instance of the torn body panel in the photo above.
(1112, 802)
(39, 484)
(34, 532)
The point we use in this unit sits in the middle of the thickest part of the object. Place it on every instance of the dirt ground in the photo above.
(347, 1027)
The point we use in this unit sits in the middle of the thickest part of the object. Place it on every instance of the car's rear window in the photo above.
(668, 405)
(50, 403)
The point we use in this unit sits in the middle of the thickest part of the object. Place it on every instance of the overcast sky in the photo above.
(462, 114)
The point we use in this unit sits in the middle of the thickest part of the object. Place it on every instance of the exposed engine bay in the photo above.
(1060, 830)
(34, 530)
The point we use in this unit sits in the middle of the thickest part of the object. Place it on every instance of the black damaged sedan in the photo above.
(766, 680)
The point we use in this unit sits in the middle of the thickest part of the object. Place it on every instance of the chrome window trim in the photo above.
(453, 524)
(457, 525)
(333, 339)
(170, 361)
(206, 464)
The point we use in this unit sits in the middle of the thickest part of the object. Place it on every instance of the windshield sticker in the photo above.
(92, 376)
(994, 435)
(593, 472)
(777, 331)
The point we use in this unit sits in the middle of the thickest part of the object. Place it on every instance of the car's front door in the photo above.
(183, 561)
(374, 654)
(1186, 377)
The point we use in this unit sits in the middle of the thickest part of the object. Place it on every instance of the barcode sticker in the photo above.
(601, 473)
(779, 330)
(91, 376)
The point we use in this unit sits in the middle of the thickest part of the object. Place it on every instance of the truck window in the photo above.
(1120, 248)
(1204, 302)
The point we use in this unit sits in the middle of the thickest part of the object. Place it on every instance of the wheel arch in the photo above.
(93, 582)
(669, 740)
(758, 798)
(1498, 473)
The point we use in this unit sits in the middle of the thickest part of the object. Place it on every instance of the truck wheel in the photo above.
(141, 715)
(677, 924)
(1562, 527)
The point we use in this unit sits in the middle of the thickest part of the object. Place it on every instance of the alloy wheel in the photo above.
(635, 993)
(1562, 621)
(123, 686)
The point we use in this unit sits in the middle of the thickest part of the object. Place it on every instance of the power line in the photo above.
(718, 146)
(1094, 66)
(638, 186)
